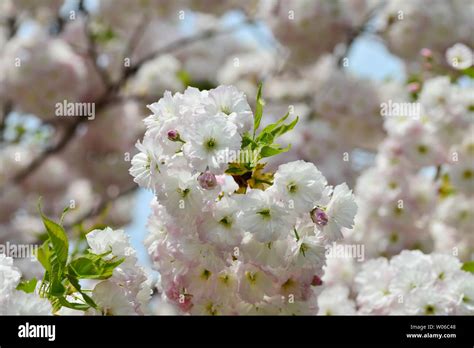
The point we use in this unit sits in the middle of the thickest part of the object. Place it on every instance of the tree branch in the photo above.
(204, 35)
(111, 94)
(7, 106)
(133, 42)
(53, 149)
(355, 33)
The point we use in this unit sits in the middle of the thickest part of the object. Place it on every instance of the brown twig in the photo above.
(92, 52)
(204, 35)
(51, 150)
(133, 42)
(105, 100)
(355, 33)
(438, 173)
(7, 108)
(11, 26)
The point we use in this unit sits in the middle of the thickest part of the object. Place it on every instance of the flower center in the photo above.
(288, 284)
(422, 149)
(226, 110)
(211, 309)
(292, 188)
(251, 276)
(226, 221)
(184, 192)
(265, 213)
(210, 144)
(467, 174)
(205, 274)
(429, 309)
(303, 249)
(224, 279)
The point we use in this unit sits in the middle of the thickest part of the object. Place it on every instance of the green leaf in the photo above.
(414, 78)
(238, 169)
(202, 84)
(57, 287)
(284, 128)
(469, 72)
(93, 256)
(73, 305)
(43, 255)
(103, 34)
(53, 255)
(77, 286)
(83, 268)
(92, 267)
(272, 150)
(28, 286)
(468, 267)
(266, 138)
(184, 77)
(247, 140)
(259, 103)
(274, 130)
(58, 238)
(65, 210)
(268, 129)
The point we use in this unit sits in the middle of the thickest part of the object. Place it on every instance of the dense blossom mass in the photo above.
(411, 283)
(345, 187)
(220, 250)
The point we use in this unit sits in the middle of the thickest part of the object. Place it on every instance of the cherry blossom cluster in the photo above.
(25, 61)
(242, 218)
(126, 292)
(16, 302)
(408, 26)
(340, 113)
(41, 11)
(411, 283)
(91, 169)
(423, 167)
(83, 175)
(349, 103)
(291, 23)
(226, 241)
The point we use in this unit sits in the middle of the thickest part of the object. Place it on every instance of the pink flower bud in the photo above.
(207, 180)
(316, 281)
(319, 217)
(173, 135)
(413, 87)
(426, 52)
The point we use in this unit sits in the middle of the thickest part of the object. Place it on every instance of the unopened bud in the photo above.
(207, 180)
(319, 217)
(173, 135)
(316, 281)
(413, 87)
(426, 53)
